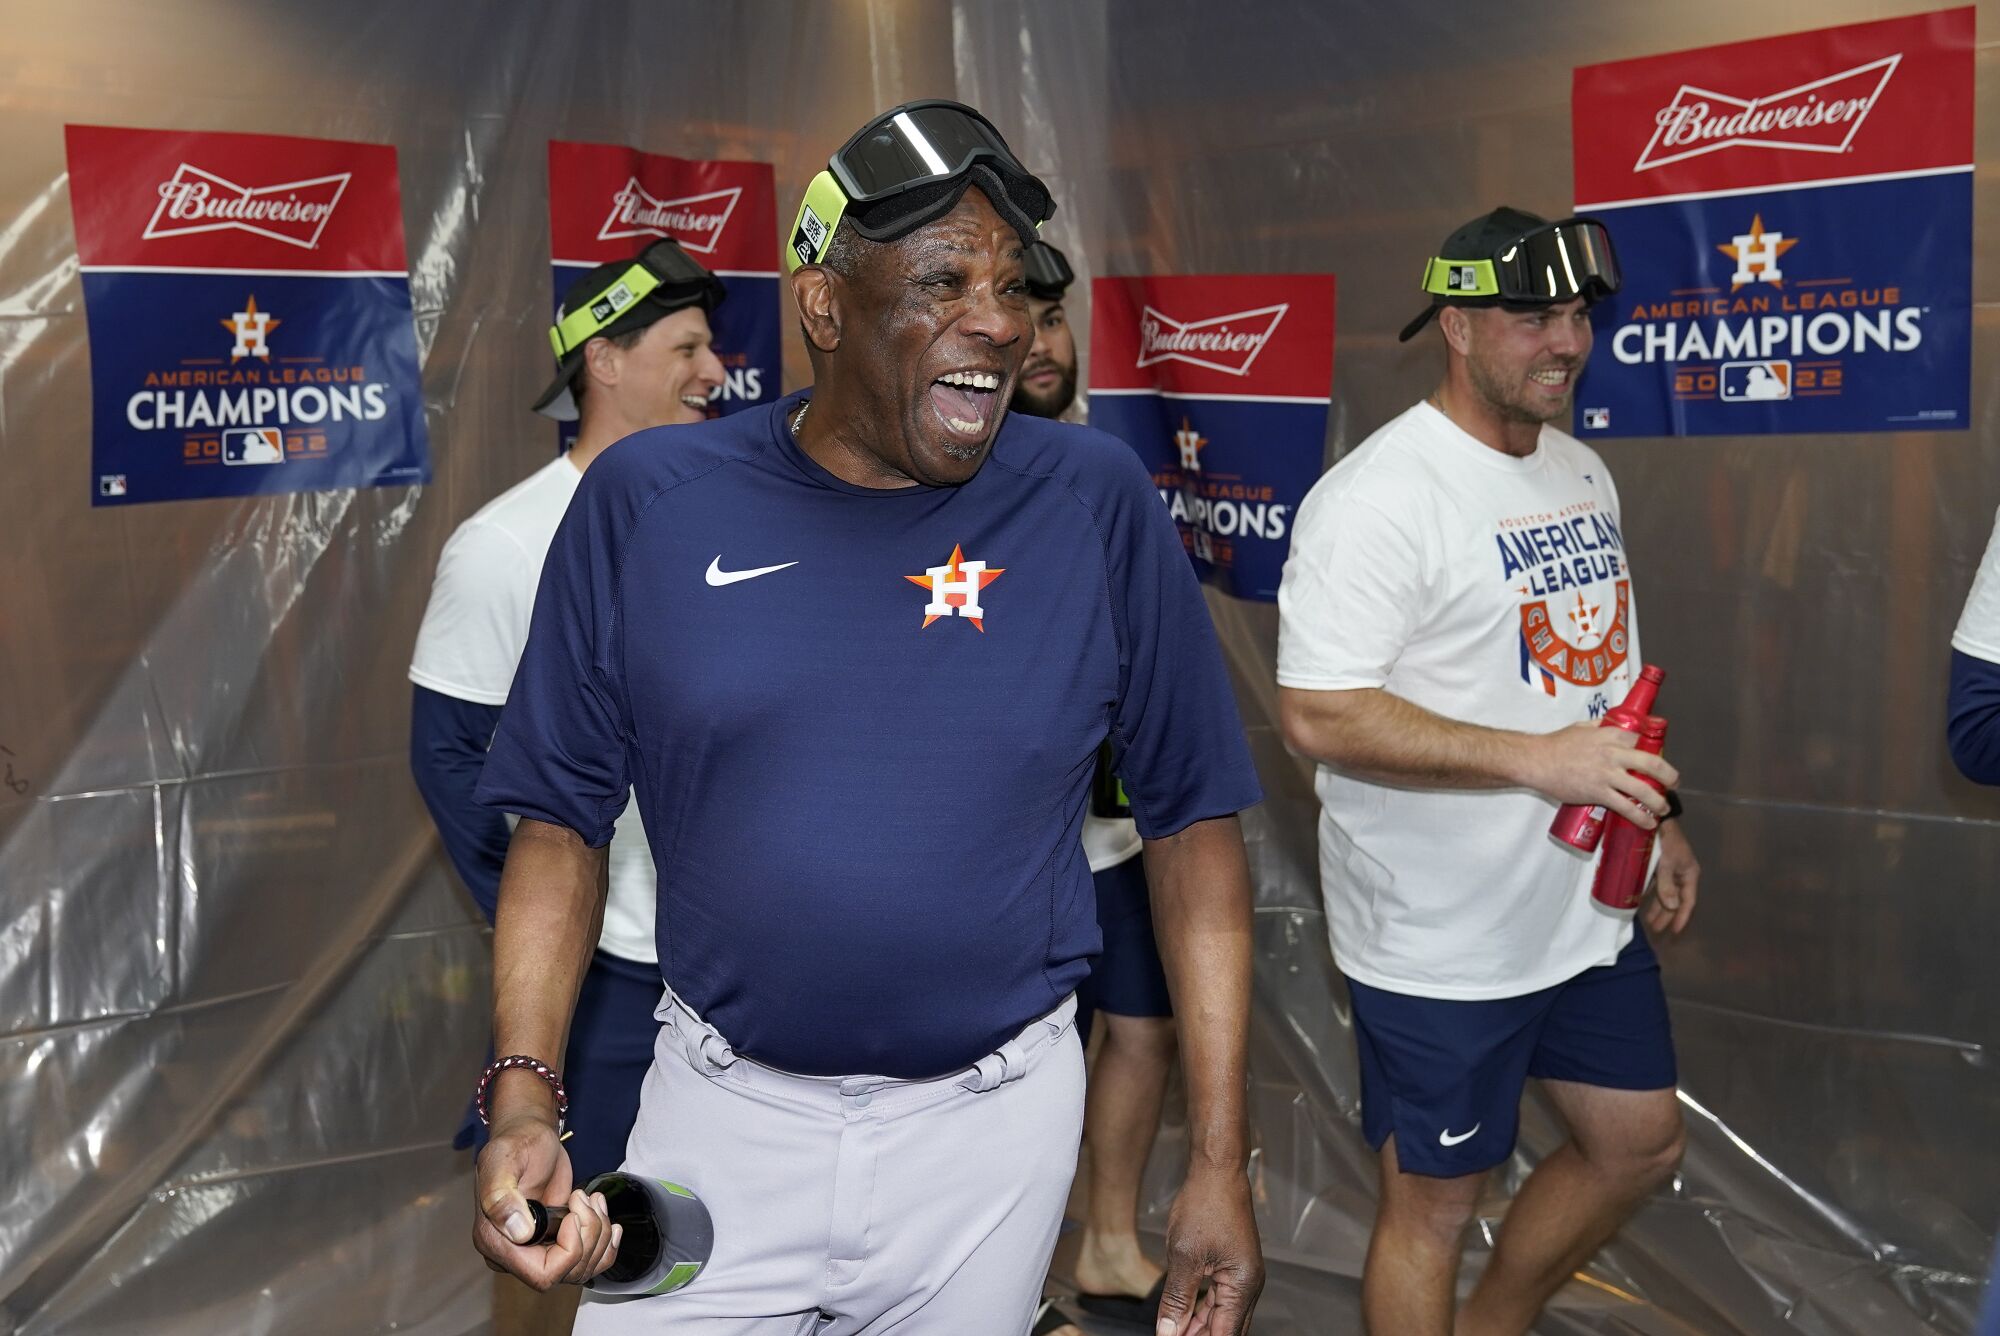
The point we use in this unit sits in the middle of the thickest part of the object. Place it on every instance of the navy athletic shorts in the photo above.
(1128, 979)
(610, 1049)
(1446, 1076)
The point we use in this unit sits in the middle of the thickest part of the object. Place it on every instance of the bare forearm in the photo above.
(1201, 899)
(1380, 737)
(551, 909)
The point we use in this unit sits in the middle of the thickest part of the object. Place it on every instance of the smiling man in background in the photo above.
(1446, 734)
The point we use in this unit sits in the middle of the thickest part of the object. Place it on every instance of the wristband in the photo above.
(1673, 805)
(526, 1064)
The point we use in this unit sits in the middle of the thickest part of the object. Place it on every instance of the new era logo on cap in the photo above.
(611, 303)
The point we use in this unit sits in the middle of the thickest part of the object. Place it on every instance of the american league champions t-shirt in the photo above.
(1489, 589)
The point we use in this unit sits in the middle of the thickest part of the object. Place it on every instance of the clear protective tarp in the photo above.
(242, 998)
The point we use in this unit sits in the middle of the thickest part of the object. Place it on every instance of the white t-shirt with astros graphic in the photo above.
(1485, 588)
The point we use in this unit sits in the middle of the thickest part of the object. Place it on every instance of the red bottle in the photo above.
(1581, 827)
(1628, 851)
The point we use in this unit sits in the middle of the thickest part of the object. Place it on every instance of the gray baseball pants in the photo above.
(857, 1205)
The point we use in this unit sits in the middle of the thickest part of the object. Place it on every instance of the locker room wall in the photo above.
(242, 999)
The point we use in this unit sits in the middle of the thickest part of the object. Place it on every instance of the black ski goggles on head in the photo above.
(1556, 262)
(618, 298)
(663, 275)
(1049, 274)
(910, 166)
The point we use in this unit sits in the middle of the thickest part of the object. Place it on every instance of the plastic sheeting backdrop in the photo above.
(243, 998)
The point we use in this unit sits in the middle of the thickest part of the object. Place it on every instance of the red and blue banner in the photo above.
(1794, 221)
(1222, 385)
(248, 301)
(608, 202)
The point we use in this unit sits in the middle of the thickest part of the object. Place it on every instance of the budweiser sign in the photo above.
(695, 221)
(294, 212)
(1818, 117)
(1227, 343)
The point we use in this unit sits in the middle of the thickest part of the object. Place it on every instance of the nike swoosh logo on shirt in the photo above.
(1445, 1138)
(718, 576)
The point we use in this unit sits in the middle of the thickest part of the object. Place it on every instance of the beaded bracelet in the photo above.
(528, 1064)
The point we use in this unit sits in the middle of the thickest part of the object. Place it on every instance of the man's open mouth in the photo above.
(965, 400)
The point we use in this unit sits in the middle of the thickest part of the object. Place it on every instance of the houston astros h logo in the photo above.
(1756, 253)
(252, 329)
(955, 588)
(1189, 442)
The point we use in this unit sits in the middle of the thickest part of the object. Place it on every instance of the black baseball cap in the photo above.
(618, 298)
(1516, 259)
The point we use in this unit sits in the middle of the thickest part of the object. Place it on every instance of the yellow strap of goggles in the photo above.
(1460, 278)
(581, 325)
(820, 213)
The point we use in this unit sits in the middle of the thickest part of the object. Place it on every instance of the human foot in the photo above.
(1114, 1264)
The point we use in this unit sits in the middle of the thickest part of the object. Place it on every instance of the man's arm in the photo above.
(1973, 717)
(1384, 738)
(448, 738)
(1201, 913)
(551, 910)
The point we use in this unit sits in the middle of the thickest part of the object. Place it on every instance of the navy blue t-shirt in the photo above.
(861, 724)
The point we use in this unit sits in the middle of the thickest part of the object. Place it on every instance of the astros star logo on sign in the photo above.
(1189, 442)
(955, 588)
(1756, 253)
(251, 328)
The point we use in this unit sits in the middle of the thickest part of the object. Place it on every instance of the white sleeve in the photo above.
(1351, 595)
(476, 623)
(1978, 632)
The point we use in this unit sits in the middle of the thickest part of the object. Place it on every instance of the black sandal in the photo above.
(1123, 1308)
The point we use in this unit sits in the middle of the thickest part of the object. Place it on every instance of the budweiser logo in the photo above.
(294, 212)
(1227, 343)
(1818, 117)
(696, 221)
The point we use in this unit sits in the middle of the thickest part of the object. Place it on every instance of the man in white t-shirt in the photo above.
(633, 352)
(1127, 984)
(1456, 615)
(1973, 713)
(1972, 726)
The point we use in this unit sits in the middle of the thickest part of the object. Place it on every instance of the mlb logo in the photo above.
(111, 484)
(1596, 419)
(1751, 382)
(253, 445)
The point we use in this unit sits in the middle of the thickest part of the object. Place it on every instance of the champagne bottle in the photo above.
(667, 1240)
(1579, 825)
(1620, 882)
